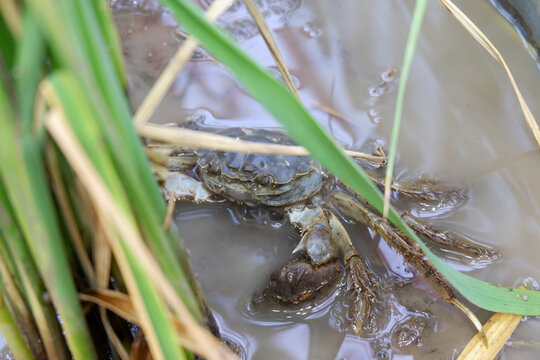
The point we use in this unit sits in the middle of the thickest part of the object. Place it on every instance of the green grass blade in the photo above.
(75, 104)
(112, 39)
(26, 184)
(28, 61)
(16, 252)
(414, 31)
(84, 50)
(7, 43)
(305, 131)
(9, 330)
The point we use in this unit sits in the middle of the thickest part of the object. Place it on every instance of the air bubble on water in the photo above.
(139, 6)
(278, 75)
(242, 29)
(312, 30)
(528, 283)
(388, 75)
(375, 91)
(374, 116)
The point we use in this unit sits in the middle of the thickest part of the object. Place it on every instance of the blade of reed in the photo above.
(272, 45)
(136, 254)
(11, 14)
(31, 284)
(9, 330)
(147, 283)
(26, 184)
(64, 93)
(112, 39)
(305, 131)
(7, 42)
(59, 189)
(414, 31)
(14, 302)
(83, 49)
(28, 60)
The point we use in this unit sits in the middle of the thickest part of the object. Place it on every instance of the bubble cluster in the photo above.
(238, 22)
(312, 30)
(274, 70)
(385, 84)
(139, 6)
(374, 116)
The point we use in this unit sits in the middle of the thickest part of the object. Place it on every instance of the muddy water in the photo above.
(461, 123)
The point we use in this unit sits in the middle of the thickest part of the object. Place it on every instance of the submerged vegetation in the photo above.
(79, 204)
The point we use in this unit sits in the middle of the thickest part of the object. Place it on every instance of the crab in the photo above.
(309, 198)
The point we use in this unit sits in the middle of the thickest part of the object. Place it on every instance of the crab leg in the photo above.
(412, 253)
(446, 238)
(323, 235)
(423, 189)
(449, 239)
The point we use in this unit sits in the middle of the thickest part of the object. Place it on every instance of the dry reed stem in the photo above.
(479, 36)
(12, 17)
(170, 210)
(272, 45)
(166, 79)
(42, 322)
(195, 139)
(498, 330)
(59, 190)
(121, 304)
(104, 204)
(111, 334)
(102, 256)
(120, 226)
(102, 261)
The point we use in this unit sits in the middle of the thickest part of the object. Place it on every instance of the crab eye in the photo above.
(213, 167)
(265, 179)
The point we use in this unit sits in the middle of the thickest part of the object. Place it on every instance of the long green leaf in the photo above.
(23, 174)
(307, 132)
(414, 31)
(16, 252)
(10, 331)
(28, 63)
(84, 50)
(7, 43)
(75, 105)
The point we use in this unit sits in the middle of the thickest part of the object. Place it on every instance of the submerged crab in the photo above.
(308, 197)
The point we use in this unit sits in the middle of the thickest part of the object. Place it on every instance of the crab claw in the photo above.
(324, 239)
(361, 282)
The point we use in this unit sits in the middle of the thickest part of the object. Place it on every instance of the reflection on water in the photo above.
(461, 123)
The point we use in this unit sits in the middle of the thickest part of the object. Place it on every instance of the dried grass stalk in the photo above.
(196, 139)
(117, 225)
(272, 45)
(479, 36)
